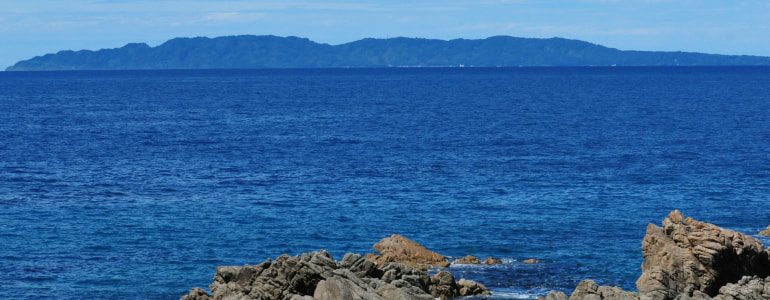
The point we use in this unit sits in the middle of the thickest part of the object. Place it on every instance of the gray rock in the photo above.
(317, 276)
(748, 288)
(342, 288)
(197, 294)
(471, 288)
(554, 295)
(589, 290)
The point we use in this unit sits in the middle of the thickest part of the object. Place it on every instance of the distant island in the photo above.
(250, 51)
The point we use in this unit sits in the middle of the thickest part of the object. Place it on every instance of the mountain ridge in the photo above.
(269, 51)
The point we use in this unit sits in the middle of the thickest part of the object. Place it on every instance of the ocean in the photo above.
(138, 184)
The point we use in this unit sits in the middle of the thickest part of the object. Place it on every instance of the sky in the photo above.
(36, 27)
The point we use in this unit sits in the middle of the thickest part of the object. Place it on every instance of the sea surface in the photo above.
(138, 184)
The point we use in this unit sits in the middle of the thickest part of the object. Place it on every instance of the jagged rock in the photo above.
(197, 294)
(554, 295)
(443, 285)
(345, 286)
(362, 267)
(317, 276)
(589, 290)
(749, 288)
(283, 278)
(470, 260)
(686, 256)
(691, 260)
(471, 288)
(765, 232)
(492, 261)
(397, 248)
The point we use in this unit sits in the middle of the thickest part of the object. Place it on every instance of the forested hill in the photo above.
(249, 51)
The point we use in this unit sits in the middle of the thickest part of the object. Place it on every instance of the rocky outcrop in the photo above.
(685, 256)
(492, 261)
(318, 276)
(197, 294)
(688, 259)
(765, 232)
(397, 248)
(746, 288)
(444, 286)
(468, 260)
(589, 290)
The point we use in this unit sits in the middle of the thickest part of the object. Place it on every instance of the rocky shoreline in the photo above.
(683, 259)
(398, 272)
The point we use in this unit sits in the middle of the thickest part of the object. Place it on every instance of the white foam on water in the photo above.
(511, 295)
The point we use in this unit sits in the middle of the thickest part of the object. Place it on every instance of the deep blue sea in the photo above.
(138, 184)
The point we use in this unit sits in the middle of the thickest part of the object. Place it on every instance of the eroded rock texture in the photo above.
(318, 276)
(397, 248)
(686, 256)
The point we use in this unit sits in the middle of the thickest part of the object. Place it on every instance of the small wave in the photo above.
(505, 260)
(510, 295)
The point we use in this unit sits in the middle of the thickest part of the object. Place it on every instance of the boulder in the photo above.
(686, 256)
(589, 290)
(344, 286)
(397, 248)
(471, 288)
(765, 232)
(492, 261)
(197, 294)
(444, 286)
(746, 288)
(531, 261)
(468, 260)
(554, 295)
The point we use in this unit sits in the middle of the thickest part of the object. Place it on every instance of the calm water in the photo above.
(136, 185)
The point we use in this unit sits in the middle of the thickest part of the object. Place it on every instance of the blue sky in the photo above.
(36, 27)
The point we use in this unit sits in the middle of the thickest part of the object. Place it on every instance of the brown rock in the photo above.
(686, 258)
(492, 261)
(372, 256)
(468, 260)
(443, 285)
(765, 232)
(531, 261)
(397, 248)
(471, 288)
